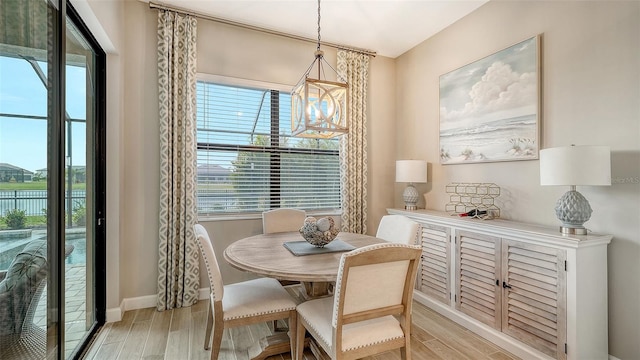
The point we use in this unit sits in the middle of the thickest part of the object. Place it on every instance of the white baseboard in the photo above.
(113, 315)
(203, 293)
(142, 302)
(611, 357)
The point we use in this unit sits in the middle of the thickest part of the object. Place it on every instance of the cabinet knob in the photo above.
(505, 285)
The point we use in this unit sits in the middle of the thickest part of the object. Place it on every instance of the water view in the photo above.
(10, 247)
(502, 139)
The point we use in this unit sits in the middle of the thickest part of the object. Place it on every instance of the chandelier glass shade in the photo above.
(319, 106)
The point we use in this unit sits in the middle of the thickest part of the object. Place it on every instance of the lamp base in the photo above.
(573, 210)
(410, 197)
(573, 231)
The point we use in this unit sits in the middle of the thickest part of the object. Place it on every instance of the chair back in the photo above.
(282, 220)
(398, 229)
(210, 261)
(22, 286)
(375, 281)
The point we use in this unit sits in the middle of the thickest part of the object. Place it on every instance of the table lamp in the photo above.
(411, 171)
(575, 165)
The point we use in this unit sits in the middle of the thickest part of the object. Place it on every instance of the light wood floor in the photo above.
(179, 335)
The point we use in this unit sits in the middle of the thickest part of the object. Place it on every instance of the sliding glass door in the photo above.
(84, 183)
(51, 181)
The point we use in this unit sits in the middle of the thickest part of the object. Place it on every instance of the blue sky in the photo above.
(23, 142)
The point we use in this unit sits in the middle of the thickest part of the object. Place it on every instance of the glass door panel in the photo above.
(51, 181)
(79, 188)
(24, 189)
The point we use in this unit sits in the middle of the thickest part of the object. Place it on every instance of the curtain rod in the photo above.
(154, 5)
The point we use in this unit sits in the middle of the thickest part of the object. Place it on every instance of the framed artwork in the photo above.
(490, 109)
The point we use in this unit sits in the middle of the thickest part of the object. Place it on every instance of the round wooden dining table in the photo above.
(266, 255)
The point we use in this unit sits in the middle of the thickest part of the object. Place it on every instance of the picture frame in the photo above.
(490, 109)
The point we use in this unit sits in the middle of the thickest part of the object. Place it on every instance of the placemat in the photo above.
(301, 248)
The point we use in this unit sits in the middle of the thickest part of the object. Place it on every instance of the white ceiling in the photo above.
(389, 27)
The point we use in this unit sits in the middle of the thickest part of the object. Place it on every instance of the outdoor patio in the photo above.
(75, 307)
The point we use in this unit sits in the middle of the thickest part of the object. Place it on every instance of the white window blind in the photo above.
(248, 161)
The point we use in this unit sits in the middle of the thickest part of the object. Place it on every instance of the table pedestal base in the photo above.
(317, 289)
(316, 350)
(272, 345)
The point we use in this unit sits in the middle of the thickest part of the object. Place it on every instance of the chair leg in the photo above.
(218, 329)
(405, 351)
(299, 334)
(293, 335)
(207, 334)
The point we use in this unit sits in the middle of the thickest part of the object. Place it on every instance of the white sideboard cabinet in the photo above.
(529, 289)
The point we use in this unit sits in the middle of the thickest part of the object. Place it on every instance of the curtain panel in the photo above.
(354, 68)
(178, 264)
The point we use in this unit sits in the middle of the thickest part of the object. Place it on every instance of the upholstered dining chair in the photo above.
(370, 311)
(281, 220)
(243, 303)
(398, 228)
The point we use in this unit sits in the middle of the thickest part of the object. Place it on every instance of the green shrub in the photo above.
(15, 218)
(79, 216)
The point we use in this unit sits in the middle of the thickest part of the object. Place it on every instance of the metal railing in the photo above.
(34, 202)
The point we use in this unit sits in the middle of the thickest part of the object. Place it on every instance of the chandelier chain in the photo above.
(318, 25)
(318, 107)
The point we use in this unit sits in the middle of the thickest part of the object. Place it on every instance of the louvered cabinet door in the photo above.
(534, 305)
(434, 279)
(477, 271)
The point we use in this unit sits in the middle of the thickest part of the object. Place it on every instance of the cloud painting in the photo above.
(489, 108)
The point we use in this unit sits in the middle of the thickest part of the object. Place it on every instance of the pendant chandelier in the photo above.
(319, 107)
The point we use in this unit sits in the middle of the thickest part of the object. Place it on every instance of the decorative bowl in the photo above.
(319, 232)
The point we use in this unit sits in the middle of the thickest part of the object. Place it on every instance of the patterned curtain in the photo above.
(178, 265)
(354, 68)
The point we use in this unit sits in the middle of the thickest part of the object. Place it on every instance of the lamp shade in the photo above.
(575, 165)
(411, 171)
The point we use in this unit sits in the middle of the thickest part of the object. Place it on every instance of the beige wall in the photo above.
(591, 95)
(105, 21)
(228, 51)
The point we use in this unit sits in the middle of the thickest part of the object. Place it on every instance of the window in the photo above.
(248, 161)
